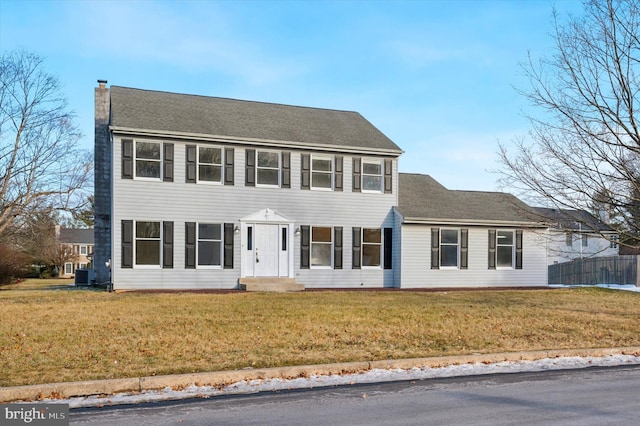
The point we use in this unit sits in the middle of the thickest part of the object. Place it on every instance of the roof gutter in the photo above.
(253, 141)
(473, 222)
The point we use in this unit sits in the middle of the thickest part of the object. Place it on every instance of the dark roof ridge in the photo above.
(236, 99)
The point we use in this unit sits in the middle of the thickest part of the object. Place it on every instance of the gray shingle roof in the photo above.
(573, 220)
(421, 198)
(181, 114)
(76, 236)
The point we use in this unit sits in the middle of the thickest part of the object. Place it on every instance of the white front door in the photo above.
(266, 250)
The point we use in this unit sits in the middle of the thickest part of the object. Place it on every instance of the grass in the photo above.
(68, 335)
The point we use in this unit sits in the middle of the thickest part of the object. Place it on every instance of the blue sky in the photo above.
(437, 77)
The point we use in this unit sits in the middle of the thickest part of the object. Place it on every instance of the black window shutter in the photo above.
(305, 172)
(388, 174)
(286, 170)
(127, 159)
(229, 161)
(338, 184)
(228, 246)
(167, 162)
(127, 244)
(492, 249)
(191, 154)
(356, 260)
(250, 168)
(167, 245)
(356, 174)
(388, 248)
(519, 249)
(464, 249)
(435, 248)
(305, 235)
(190, 245)
(337, 247)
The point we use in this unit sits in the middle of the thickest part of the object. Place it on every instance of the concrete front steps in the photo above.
(278, 285)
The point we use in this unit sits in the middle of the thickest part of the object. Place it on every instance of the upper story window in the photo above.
(321, 246)
(83, 250)
(209, 164)
(148, 159)
(372, 175)
(268, 168)
(505, 249)
(321, 172)
(585, 240)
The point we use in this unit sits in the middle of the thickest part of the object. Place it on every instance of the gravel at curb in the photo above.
(223, 378)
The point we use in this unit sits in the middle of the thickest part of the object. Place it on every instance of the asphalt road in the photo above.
(594, 396)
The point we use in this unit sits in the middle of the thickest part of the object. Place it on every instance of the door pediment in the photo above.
(266, 216)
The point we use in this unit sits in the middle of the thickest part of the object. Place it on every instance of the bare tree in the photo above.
(584, 146)
(42, 168)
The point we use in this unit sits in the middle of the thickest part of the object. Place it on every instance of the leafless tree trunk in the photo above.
(42, 168)
(584, 146)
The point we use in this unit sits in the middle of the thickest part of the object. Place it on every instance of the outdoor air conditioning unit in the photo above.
(85, 276)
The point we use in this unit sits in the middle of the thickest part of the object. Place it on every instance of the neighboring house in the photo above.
(576, 234)
(466, 238)
(195, 192)
(80, 242)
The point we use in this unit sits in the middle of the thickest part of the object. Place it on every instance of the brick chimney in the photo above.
(102, 183)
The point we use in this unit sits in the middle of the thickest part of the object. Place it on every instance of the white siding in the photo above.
(182, 202)
(558, 251)
(416, 262)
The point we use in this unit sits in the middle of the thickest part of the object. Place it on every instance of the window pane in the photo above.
(148, 150)
(449, 236)
(210, 173)
(209, 231)
(321, 234)
(148, 230)
(504, 256)
(371, 168)
(371, 235)
(268, 177)
(449, 255)
(321, 180)
(149, 169)
(321, 165)
(209, 253)
(371, 183)
(268, 159)
(505, 237)
(210, 155)
(370, 255)
(320, 254)
(147, 252)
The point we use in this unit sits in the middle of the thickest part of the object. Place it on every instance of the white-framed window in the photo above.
(209, 245)
(321, 172)
(371, 247)
(148, 160)
(83, 250)
(68, 268)
(372, 178)
(148, 244)
(268, 168)
(505, 249)
(83, 266)
(321, 246)
(210, 163)
(449, 248)
(613, 242)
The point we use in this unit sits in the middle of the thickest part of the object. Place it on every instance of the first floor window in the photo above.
(209, 244)
(372, 175)
(148, 159)
(504, 249)
(268, 168)
(209, 164)
(147, 243)
(371, 246)
(68, 268)
(321, 246)
(449, 247)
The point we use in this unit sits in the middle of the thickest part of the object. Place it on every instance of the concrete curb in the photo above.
(224, 378)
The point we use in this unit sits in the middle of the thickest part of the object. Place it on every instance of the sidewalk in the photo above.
(223, 379)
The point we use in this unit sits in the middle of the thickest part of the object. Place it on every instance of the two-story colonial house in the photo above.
(195, 192)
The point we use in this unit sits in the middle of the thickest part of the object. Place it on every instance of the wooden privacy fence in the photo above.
(596, 270)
